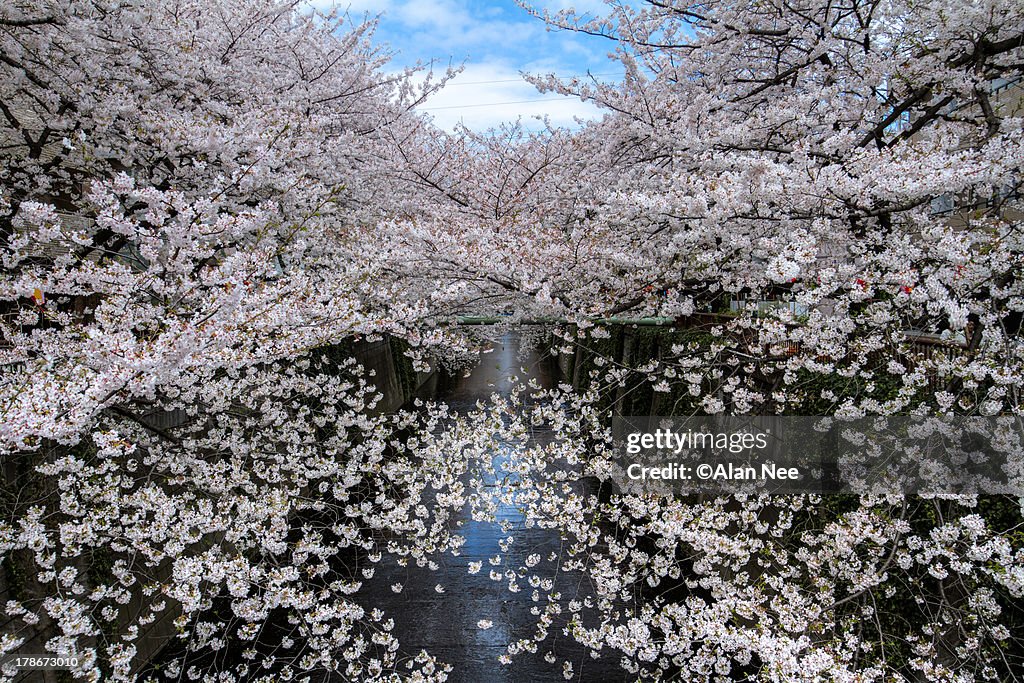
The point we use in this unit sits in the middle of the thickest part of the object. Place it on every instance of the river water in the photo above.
(445, 624)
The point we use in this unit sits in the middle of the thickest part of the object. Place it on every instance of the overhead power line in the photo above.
(520, 80)
(496, 104)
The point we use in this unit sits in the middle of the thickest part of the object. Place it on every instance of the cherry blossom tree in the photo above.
(193, 195)
(201, 201)
(860, 162)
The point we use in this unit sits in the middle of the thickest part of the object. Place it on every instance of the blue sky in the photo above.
(495, 40)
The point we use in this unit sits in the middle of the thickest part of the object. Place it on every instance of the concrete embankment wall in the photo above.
(392, 373)
(626, 345)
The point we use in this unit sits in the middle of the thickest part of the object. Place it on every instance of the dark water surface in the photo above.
(445, 624)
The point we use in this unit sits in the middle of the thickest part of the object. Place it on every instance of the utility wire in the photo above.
(520, 80)
(496, 104)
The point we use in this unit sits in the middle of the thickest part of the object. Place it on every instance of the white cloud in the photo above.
(371, 6)
(353, 7)
(435, 13)
(446, 29)
(593, 7)
(490, 93)
(494, 41)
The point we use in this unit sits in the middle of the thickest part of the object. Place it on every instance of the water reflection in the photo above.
(446, 624)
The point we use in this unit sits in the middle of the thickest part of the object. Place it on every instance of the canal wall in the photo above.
(630, 346)
(392, 373)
